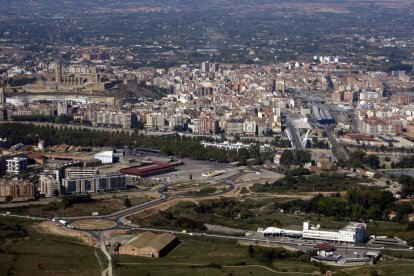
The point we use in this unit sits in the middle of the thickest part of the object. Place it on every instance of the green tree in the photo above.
(407, 183)
(8, 198)
(356, 158)
(287, 158)
(372, 161)
(302, 156)
(245, 213)
(250, 250)
(127, 202)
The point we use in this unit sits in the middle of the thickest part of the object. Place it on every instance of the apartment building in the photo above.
(380, 126)
(17, 189)
(16, 165)
(48, 185)
(94, 184)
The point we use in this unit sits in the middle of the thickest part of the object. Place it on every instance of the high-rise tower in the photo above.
(58, 71)
(2, 97)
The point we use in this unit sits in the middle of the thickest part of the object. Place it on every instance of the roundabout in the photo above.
(93, 224)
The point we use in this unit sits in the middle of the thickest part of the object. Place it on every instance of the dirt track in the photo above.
(49, 227)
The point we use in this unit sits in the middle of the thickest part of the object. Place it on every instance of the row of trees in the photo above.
(404, 162)
(61, 119)
(359, 158)
(20, 81)
(358, 203)
(176, 145)
(323, 182)
(295, 157)
(318, 144)
(228, 208)
(407, 183)
(268, 255)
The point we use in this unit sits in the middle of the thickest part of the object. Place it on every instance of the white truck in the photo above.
(63, 222)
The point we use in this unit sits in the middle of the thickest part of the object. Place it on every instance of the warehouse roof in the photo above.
(148, 168)
(149, 239)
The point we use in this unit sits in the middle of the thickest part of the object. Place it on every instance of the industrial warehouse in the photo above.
(148, 244)
(149, 169)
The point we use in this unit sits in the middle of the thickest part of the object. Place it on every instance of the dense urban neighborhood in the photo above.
(271, 137)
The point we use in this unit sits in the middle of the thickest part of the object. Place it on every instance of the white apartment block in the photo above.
(113, 118)
(16, 165)
(155, 120)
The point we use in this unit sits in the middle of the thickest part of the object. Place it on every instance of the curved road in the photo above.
(120, 216)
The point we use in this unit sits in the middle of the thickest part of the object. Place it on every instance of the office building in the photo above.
(94, 184)
(72, 172)
(16, 165)
(352, 233)
(60, 171)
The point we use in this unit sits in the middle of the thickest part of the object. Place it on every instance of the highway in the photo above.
(120, 216)
(294, 136)
(304, 245)
(337, 148)
(164, 197)
(101, 236)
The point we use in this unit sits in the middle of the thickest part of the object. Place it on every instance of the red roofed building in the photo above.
(324, 246)
(149, 169)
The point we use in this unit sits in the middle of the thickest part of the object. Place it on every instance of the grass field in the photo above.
(211, 257)
(217, 257)
(93, 224)
(102, 206)
(394, 268)
(39, 254)
(250, 223)
(391, 229)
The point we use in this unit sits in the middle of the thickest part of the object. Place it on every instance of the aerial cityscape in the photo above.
(189, 137)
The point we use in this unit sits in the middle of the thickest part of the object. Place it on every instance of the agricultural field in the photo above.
(26, 252)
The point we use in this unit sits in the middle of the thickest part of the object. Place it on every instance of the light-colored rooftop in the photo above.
(149, 239)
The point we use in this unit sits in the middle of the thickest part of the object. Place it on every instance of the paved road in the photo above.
(340, 152)
(300, 244)
(295, 136)
(164, 197)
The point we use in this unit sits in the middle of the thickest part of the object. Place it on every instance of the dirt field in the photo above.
(93, 224)
(103, 206)
(48, 227)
